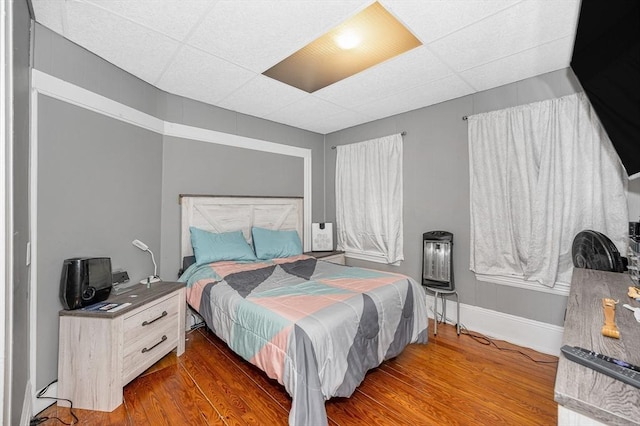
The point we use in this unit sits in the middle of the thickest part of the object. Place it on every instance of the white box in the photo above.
(322, 236)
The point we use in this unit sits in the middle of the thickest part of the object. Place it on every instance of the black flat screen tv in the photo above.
(606, 60)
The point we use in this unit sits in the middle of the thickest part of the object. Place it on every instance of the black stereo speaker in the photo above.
(85, 281)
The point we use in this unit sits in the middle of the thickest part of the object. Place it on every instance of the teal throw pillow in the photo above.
(211, 247)
(270, 244)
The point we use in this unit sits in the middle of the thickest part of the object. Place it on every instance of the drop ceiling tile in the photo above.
(429, 94)
(305, 110)
(174, 18)
(198, 75)
(411, 69)
(432, 19)
(138, 50)
(259, 34)
(526, 25)
(337, 122)
(50, 14)
(539, 60)
(261, 96)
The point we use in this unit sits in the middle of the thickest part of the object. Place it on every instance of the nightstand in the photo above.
(328, 256)
(100, 352)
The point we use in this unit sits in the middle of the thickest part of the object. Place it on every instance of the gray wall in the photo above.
(19, 345)
(98, 189)
(192, 167)
(436, 186)
(103, 183)
(205, 168)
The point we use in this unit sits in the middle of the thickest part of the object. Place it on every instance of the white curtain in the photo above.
(369, 199)
(541, 173)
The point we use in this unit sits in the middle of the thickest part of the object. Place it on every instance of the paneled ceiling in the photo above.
(216, 51)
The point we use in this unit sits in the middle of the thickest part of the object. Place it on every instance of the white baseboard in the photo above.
(540, 336)
(40, 404)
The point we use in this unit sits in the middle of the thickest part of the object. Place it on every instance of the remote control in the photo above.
(619, 362)
(119, 307)
(610, 368)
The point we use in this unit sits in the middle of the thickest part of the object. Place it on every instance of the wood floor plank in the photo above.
(168, 397)
(453, 380)
(233, 393)
(467, 373)
(407, 401)
(272, 387)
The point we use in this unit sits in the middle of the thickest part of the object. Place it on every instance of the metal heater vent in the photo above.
(437, 261)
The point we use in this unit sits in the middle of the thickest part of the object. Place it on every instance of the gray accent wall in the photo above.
(436, 187)
(192, 167)
(206, 168)
(19, 343)
(99, 188)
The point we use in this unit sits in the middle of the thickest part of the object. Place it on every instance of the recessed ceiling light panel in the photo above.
(348, 39)
(366, 39)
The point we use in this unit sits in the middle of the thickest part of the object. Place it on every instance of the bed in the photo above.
(314, 326)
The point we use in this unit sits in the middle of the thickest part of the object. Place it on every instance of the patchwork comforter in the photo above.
(314, 326)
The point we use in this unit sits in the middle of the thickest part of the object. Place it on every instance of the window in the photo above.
(369, 199)
(541, 173)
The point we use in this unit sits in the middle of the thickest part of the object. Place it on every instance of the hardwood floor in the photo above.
(453, 380)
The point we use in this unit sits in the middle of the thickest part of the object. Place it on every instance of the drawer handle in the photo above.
(164, 337)
(163, 314)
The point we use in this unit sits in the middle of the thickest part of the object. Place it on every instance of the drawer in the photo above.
(149, 320)
(149, 335)
(148, 350)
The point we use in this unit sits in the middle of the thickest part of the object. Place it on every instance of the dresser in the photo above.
(584, 396)
(100, 352)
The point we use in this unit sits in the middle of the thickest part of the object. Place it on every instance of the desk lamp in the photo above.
(151, 278)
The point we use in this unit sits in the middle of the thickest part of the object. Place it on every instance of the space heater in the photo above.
(437, 273)
(437, 260)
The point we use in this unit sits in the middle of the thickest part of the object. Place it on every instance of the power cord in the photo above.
(40, 395)
(487, 341)
(484, 340)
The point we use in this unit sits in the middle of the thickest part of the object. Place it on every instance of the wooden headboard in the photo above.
(225, 214)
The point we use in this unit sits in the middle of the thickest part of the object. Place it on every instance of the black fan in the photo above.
(594, 250)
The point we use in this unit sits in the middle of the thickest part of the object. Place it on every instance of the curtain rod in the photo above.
(401, 134)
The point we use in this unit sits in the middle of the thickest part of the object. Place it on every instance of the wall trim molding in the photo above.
(27, 409)
(6, 210)
(540, 336)
(56, 88)
(33, 231)
(53, 87)
(212, 136)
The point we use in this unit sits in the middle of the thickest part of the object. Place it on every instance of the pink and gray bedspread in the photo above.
(315, 327)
